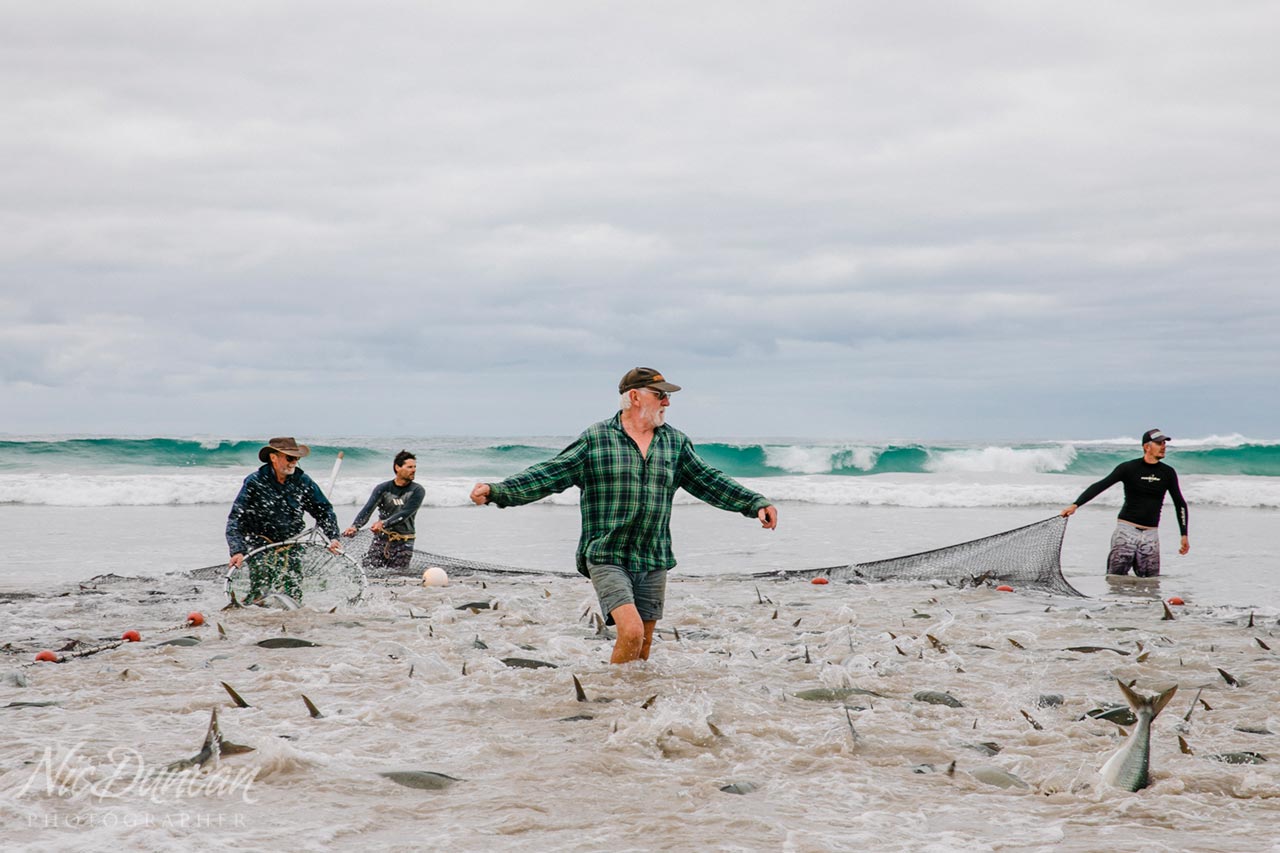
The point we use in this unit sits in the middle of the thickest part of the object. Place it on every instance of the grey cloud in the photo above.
(987, 196)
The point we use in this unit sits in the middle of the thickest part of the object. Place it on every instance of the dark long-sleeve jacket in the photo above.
(267, 510)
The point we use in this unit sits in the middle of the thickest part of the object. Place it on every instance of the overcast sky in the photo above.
(848, 219)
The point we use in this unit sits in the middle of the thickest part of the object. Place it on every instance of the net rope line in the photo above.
(77, 649)
(1027, 557)
(1024, 557)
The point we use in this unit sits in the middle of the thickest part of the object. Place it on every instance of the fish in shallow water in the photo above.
(1239, 758)
(285, 643)
(235, 697)
(1129, 768)
(425, 780)
(1091, 649)
(213, 747)
(1118, 714)
(935, 697)
(527, 663)
(739, 788)
(179, 641)
(834, 694)
(998, 777)
(278, 600)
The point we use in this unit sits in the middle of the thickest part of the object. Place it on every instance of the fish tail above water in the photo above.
(1128, 768)
(212, 749)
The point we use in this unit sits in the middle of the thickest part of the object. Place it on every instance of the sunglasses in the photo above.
(661, 395)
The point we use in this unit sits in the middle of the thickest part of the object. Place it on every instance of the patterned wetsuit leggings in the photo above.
(389, 551)
(1134, 548)
(276, 570)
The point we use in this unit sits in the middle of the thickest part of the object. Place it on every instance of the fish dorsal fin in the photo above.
(226, 747)
(216, 745)
(213, 737)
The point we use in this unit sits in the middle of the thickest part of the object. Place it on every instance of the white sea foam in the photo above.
(957, 487)
(1037, 460)
(820, 459)
(1234, 439)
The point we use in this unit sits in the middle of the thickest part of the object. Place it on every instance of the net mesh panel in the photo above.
(303, 569)
(1025, 558)
(358, 548)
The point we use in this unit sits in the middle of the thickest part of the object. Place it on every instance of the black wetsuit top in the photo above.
(1144, 488)
(397, 505)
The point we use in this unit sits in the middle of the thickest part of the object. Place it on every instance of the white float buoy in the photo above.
(435, 576)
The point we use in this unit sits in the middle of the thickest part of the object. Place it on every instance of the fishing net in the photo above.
(378, 559)
(302, 568)
(1025, 558)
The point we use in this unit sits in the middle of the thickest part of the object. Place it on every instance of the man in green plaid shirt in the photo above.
(628, 468)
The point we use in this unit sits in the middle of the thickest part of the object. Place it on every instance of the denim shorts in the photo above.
(616, 586)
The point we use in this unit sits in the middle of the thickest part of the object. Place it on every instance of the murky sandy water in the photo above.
(403, 685)
(1233, 559)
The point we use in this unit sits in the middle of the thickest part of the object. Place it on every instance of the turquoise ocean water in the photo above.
(72, 507)
(1230, 455)
(106, 471)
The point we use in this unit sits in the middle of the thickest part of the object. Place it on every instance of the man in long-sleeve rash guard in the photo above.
(1135, 543)
(397, 502)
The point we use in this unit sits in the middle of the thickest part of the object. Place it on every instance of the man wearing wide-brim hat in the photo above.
(629, 468)
(269, 509)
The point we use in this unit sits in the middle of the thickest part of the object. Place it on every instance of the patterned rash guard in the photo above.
(1144, 490)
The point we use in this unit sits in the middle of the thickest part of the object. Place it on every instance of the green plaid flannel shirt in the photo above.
(626, 497)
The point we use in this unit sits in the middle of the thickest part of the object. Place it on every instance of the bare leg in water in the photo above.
(635, 636)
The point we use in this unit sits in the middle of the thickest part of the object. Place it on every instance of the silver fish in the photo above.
(1239, 758)
(527, 663)
(286, 643)
(426, 780)
(935, 697)
(279, 601)
(179, 641)
(834, 694)
(214, 746)
(739, 788)
(995, 776)
(1128, 768)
